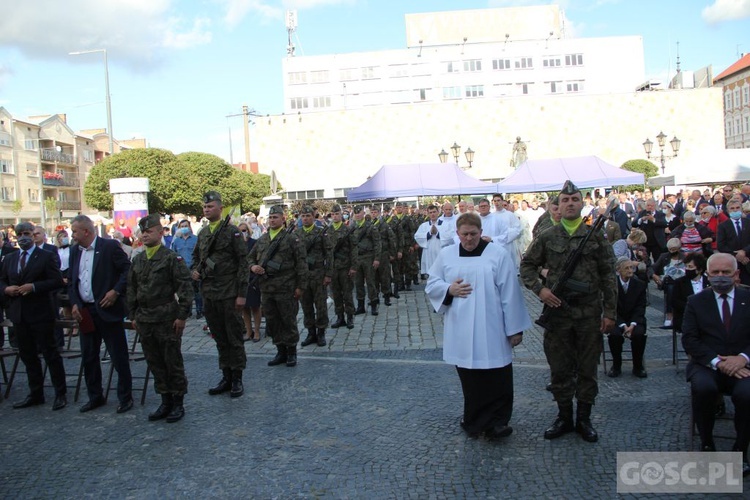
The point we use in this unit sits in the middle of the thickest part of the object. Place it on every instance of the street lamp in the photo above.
(469, 156)
(456, 150)
(108, 100)
(443, 156)
(661, 141)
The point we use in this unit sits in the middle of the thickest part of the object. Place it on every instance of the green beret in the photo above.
(569, 188)
(336, 208)
(210, 196)
(276, 209)
(149, 221)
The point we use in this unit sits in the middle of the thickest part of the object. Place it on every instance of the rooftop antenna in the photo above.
(507, 36)
(291, 26)
(678, 58)
(420, 49)
(546, 41)
(462, 45)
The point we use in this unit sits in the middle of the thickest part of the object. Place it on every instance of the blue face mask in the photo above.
(66, 241)
(185, 231)
(735, 215)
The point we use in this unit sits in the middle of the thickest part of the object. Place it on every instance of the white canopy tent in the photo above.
(714, 167)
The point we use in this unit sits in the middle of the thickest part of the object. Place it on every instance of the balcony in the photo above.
(69, 205)
(51, 154)
(64, 180)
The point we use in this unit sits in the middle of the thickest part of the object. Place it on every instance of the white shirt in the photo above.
(86, 272)
(64, 254)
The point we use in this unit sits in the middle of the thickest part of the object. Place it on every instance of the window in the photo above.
(32, 170)
(29, 144)
(523, 63)
(451, 67)
(420, 69)
(474, 90)
(297, 78)
(322, 102)
(738, 125)
(500, 64)
(305, 195)
(737, 98)
(451, 92)
(368, 73)
(502, 89)
(88, 155)
(348, 75)
(341, 192)
(728, 100)
(574, 60)
(33, 195)
(728, 128)
(555, 87)
(523, 88)
(574, 87)
(319, 76)
(299, 103)
(746, 95)
(399, 70)
(551, 62)
(7, 193)
(421, 94)
(4, 139)
(747, 124)
(473, 65)
(6, 167)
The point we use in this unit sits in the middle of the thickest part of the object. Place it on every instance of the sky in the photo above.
(178, 68)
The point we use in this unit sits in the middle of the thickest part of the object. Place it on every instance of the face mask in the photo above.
(65, 242)
(25, 242)
(721, 284)
(689, 224)
(691, 273)
(735, 215)
(254, 225)
(346, 216)
(185, 230)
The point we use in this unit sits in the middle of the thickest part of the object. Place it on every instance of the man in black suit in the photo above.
(39, 236)
(96, 287)
(626, 207)
(653, 223)
(631, 319)
(5, 249)
(694, 281)
(27, 279)
(733, 237)
(715, 335)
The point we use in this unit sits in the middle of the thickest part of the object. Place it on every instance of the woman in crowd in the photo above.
(474, 285)
(667, 269)
(251, 312)
(695, 238)
(711, 218)
(672, 220)
(633, 248)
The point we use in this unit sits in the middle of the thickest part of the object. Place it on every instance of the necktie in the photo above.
(23, 259)
(738, 227)
(625, 287)
(725, 312)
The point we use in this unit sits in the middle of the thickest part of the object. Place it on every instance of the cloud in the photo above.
(136, 32)
(235, 11)
(726, 10)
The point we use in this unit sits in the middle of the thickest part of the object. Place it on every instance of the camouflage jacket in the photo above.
(153, 284)
(388, 242)
(367, 239)
(318, 249)
(408, 228)
(287, 270)
(395, 224)
(596, 269)
(344, 250)
(226, 271)
(544, 222)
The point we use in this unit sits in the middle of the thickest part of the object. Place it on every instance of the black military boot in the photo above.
(583, 423)
(563, 424)
(237, 388)
(395, 291)
(178, 411)
(638, 343)
(321, 337)
(387, 299)
(311, 338)
(164, 408)
(360, 307)
(350, 321)
(339, 322)
(280, 358)
(407, 285)
(224, 384)
(374, 308)
(291, 356)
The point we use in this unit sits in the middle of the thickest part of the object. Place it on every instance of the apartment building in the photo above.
(735, 83)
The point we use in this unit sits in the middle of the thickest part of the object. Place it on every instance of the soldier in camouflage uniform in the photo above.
(344, 257)
(319, 251)
(573, 338)
(388, 254)
(548, 219)
(222, 269)
(395, 224)
(367, 240)
(279, 262)
(408, 264)
(155, 277)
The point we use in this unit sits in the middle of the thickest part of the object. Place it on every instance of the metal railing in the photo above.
(51, 154)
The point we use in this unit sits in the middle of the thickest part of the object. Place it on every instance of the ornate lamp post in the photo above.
(661, 141)
(456, 150)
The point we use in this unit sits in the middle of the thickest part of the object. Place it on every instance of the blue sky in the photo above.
(179, 67)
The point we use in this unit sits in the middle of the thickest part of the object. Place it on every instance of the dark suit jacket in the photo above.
(703, 334)
(622, 220)
(683, 289)
(629, 210)
(44, 274)
(727, 240)
(631, 305)
(110, 272)
(53, 250)
(656, 228)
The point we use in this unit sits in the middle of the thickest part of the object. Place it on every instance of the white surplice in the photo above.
(432, 243)
(477, 327)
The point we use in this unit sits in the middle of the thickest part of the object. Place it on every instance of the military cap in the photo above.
(307, 209)
(336, 208)
(569, 188)
(555, 200)
(210, 196)
(149, 221)
(358, 209)
(400, 204)
(276, 209)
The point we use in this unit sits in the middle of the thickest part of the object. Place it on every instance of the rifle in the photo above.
(206, 262)
(340, 241)
(272, 250)
(570, 265)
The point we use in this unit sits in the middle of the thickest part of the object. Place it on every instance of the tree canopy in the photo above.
(177, 182)
(644, 167)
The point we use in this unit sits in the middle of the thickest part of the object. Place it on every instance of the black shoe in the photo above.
(321, 337)
(614, 372)
(291, 356)
(126, 406)
(401, 288)
(92, 404)
(395, 292)
(280, 357)
(178, 410)
(224, 384)
(163, 410)
(499, 431)
(640, 372)
(339, 322)
(29, 402)
(61, 402)
(360, 309)
(237, 388)
(559, 427)
(311, 338)
(387, 300)
(350, 321)
(548, 387)
(708, 447)
(583, 423)
(374, 309)
(721, 408)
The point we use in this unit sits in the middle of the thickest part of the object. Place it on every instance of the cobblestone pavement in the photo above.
(374, 414)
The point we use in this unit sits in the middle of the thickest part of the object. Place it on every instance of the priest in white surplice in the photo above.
(431, 236)
(474, 285)
(448, 226)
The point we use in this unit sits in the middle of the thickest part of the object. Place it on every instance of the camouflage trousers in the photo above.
(408, 266)
(162, 349)
(226, 326)
(573, 347)
(341, 286)
(280, 310)
(383, 275)
(365, 274)
(314, 302)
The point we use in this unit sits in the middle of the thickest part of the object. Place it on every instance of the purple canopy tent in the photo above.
(419, 179)
(533, 176)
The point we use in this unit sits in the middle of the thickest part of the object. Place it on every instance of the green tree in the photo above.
(644, 167)
(16, 208)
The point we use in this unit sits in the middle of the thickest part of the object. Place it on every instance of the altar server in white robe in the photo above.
(474, 285)
(448, 226)
(432, 236)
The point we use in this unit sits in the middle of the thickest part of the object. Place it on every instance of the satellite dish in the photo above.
(274, 182)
